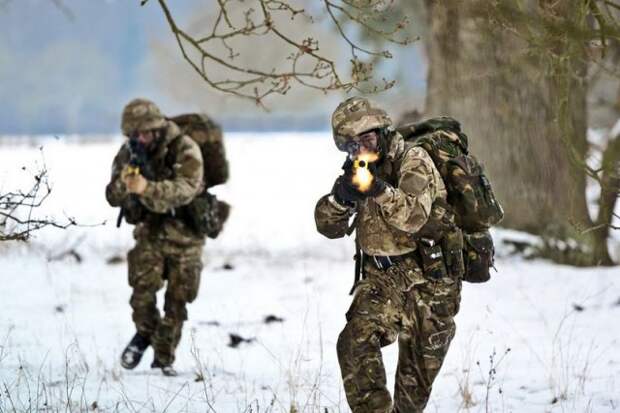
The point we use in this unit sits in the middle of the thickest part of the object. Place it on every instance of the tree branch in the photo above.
(251, 82)
(17, 209)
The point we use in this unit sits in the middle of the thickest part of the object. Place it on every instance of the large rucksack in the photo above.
(206, 214)
(208, 135)
(470, 195)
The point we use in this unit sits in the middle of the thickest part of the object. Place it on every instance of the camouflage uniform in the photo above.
(399, 302)
(166, 248)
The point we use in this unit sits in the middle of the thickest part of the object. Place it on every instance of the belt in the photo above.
(383, 262)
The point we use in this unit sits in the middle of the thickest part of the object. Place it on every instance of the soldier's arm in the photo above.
(115, 191)
(163, 196)
(331, 218)
(408, 206)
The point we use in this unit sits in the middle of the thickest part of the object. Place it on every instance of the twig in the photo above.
(250, 82)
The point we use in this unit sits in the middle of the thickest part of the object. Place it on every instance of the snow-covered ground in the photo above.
(537, 338)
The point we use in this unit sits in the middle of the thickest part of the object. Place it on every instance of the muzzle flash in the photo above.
(362, 178)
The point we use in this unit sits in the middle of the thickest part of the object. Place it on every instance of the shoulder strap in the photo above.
(172, 149)
(353, 226)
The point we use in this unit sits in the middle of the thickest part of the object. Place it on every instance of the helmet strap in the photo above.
(383, 143)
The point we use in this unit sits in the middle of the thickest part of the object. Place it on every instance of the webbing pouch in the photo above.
(479, 256)
(433, 264)
(452, 246)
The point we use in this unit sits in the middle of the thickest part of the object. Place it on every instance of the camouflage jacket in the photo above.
(175, 182)
(385, 224)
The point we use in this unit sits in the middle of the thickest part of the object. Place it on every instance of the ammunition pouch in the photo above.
(440, 243)
(452, 246)
(432, 259)
(206, 215)
(479, 254)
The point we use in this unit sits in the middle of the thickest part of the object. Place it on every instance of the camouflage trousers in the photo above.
(399, 303)
(150, 265)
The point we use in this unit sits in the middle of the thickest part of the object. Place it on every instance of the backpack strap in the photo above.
(173, 147)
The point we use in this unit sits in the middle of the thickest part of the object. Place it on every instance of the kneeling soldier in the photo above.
(157, 171)
(392, 188)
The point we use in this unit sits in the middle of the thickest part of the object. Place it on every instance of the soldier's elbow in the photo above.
(113, 201)
(329, 231)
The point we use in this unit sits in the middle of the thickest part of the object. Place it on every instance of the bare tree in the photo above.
(516, 73)
(19, 209)
(267, 24)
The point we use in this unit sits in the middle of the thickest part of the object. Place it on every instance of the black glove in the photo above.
(378, 185)
(376, 188)
(346, 193)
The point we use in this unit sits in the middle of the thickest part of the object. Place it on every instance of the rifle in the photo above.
(136, 166)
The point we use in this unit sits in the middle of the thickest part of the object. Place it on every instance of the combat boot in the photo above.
(167, 370)
(133, 352)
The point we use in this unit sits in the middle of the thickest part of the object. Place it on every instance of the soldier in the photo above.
(167, 249)
(406, 292)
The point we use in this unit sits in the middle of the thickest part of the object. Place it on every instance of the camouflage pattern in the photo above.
(141, 115)
(385, 224)
(399, 303)
(478, 256)
(166, 249)
(468, 187)
(171, 188)
(150, 264)
(208, 135)
(411, 131)
(355, 116)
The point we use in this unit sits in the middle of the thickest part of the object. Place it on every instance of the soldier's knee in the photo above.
(342, 345)
(170, 322)
(438, 341)
(145, 269)
(142, 299)
(358, 335)
(185, 281)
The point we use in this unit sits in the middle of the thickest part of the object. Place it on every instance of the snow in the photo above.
(552, 331)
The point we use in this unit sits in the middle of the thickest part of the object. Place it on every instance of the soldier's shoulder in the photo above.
(188, 152)
(417, 154)
(185, 144)
(416, 159)
(188, 142)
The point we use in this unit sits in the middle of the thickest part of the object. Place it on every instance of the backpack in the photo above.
(206, 214)
(470, 196)
(208, 135)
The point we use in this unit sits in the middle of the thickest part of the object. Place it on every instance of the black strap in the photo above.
(119, 219)
(357, 275)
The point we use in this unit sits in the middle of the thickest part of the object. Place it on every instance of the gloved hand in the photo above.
(378, 185)
(376, 188)
(346, 193)
(135, 184)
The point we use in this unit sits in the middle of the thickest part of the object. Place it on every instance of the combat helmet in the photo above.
(141, 114)
(354, 116)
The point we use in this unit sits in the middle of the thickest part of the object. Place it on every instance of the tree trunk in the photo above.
(610, 190)
(526, 123)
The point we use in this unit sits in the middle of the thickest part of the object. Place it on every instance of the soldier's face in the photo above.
(146, 137)
(367, 142)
